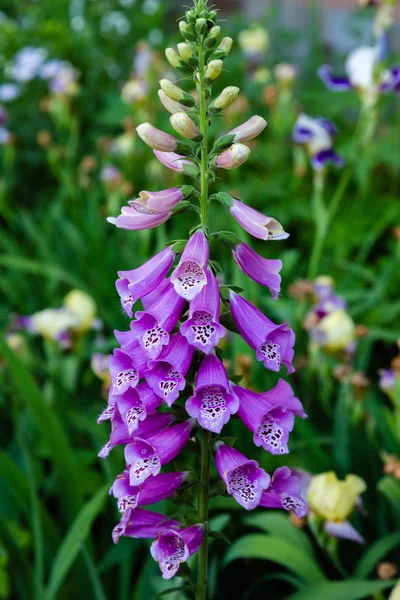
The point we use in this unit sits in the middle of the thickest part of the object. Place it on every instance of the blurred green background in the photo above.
(69, 159)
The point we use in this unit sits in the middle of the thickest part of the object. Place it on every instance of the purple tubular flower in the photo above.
(153, 490)
(258, 225)
(145, 457)
(162, 201)
(172, 548)
(189, 277)
(173, 161)
(336, 84)
(142, 523)
(319, 160)
(270, 416)
(152, 326)
(284, 492)
(120, 433)
(244, 479)
(133, 285)
(124, 373)
(262, 270)
(343, 530)
(156, 294)
(273, 343)
(213, 402)
(136, 404)
(166, 375)
(203, 329)
(133, 219)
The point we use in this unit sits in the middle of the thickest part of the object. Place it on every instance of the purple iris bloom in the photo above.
(273, 343)
(172, 548)
(120, 432)
(343, 530)
(142, 523)
(270, 416)
(145, 457)
(212, 403)
(244, 479)
(166, 375)
(190, 277)
(262, 270)
(153, 489)
(284, 492)
(317, 135)
(203, 329)
(133, 285)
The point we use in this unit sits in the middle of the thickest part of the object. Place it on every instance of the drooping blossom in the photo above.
(262, 270)
(213, 402)
(173, 547)
(142, 523)
(284, 492)
(270, 415)
(258, 225)
(244, 479)
(317, 136)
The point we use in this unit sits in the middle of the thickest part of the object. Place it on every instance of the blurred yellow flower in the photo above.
(336, 330)
(82, 308)
(254, 40)
(395, 594)
(51, 323)
(332, 499)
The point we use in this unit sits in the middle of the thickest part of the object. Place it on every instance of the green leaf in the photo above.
(375, 553)
(72, 544)
(276, 523)
(354, 589)
(50, 429)
(390, 488)
(274, 549)
(219, 535)
(26, 265)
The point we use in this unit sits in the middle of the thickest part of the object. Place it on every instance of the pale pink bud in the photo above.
(249, 130)
(235, 156)
(156, 139)
(171, 105)
(184, 125)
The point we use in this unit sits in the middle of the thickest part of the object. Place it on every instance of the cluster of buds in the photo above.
(169, 385)
(328, 323)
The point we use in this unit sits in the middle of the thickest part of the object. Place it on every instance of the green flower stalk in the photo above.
(170, 353)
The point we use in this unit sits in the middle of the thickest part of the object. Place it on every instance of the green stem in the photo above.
(201, 592)
(321, 223)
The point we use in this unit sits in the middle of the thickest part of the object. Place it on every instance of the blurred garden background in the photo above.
(76, 78)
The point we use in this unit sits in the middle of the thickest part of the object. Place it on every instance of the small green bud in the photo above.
(226, 45)
(225, 198)
(213, 70)
(225, 99)
(212, 36)
(185, 51)
(201, 26)
(187, 31)
(187, 191)
(191, 17)
(173, 58)
(175, 93)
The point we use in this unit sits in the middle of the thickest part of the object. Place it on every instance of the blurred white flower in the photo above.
(27, 63)
(9, 91)
(115, 22)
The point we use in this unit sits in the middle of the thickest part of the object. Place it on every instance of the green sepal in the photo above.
(201, 26)
(224, 198)
(184, 149)
(191, 171)
(177, 246)
(236, 378)
(193, 61)
(228, 440)
(183, 206)
(228, 238)
(227, 321)
(187, 191)
(219, 54)
(224, 142)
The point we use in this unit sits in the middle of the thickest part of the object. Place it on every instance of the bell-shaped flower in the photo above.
(273, 343)
(136, 218)
(171, 105)
(159, 140)
(124, 371)
(317, 135)
(172, 548)
(151, 491)
(190, 277)
(136, 283)
(262, 270)
(233, 157)
(284, 491)
(257, 224)
(244, 479)
(203, 329)
(270, 415)
(166, 375)
(120, 433)
(152, 326)
(176, 162)
(142, 523)
(145, 457)
(249, 130)
(136, 404)
(212, 403)
(156, 294)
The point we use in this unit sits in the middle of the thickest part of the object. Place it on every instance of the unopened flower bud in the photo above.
(201, 26)
(173, 58)
(249, 130)
(225, 99)
(214, 69)
(213, 35)
(175, 93)
(171, 106)
(185, 51)
(226, 45)
(187, 31)
(184, 125)
(232, 158)
(159, 140)
(191, 17)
